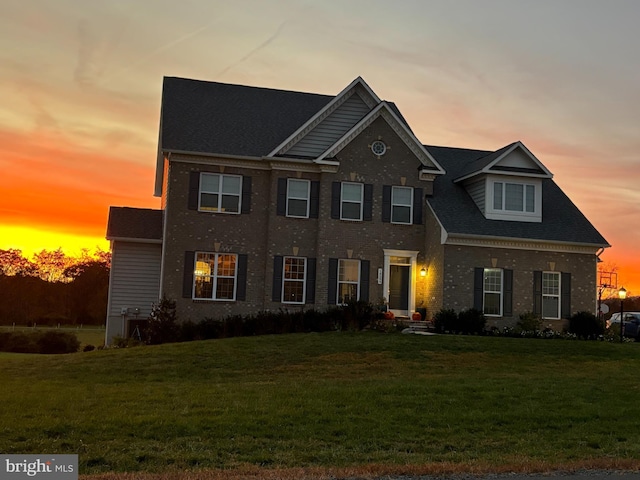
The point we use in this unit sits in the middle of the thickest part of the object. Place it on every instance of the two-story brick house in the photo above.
(277, 199)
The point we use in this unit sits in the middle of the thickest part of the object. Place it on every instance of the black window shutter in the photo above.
(281, 205)
(478, 288)
(187, 281)
(310, 296)
(276, 290)
(537, 293)
(364, 280)
(565, 295)
(335, 200)
(246, 195)
(241, 288)
(314, 207)
(417, 206)
(386, 203)
(507, 300)
(194, 190)
(333, 281)
(368, 202)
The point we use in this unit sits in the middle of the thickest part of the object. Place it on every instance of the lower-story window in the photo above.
(215, 276)
(551, 295)
(492, 301)
(294, 279)
(348, 280)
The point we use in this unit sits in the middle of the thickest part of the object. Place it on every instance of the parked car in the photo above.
(632, 325)
(615, 318)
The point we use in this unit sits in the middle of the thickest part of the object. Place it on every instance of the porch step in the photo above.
(418, 326)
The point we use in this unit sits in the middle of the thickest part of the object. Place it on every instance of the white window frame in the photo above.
(394, 204)
(343, 201)
(492, 292)
(213, 275)
(557, 296)
(294, 280)
(499, 212)
(219, 208)
(347, 282)
(307, 199)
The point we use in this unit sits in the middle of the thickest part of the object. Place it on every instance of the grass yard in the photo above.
(331, 400)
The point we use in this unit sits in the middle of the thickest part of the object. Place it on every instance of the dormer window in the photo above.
(513, 199)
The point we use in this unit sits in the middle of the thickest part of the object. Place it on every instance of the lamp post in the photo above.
(622, 294)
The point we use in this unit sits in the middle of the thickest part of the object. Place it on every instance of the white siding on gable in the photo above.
(331, 129)
(477, 190)
(518, 159)
(134, 283)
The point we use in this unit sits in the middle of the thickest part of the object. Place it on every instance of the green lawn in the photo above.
(332, 399)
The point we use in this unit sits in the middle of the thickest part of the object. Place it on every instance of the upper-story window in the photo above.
(513, 199)
(401, 205)
(220, 193)
(351, 201)
(298, 192)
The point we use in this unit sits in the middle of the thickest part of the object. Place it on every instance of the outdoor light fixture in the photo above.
(622, 293)
(423, 272)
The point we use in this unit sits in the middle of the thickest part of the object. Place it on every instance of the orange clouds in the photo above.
(51, 184)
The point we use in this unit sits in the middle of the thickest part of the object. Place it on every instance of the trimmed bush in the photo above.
(471, 321)
(47, 342)
(445, 320)
(585, 325)
(162, 326)
(529, 322)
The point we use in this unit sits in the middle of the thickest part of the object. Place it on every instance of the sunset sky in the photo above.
(81, 85)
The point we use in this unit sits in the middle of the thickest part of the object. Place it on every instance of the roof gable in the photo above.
(384, 111)
(513, 159)
(329, 123)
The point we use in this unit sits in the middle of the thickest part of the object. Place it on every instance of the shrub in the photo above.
(445, 320)
(529, 322)
(53, 341)
(162, 326)
(471, 321)
(585, 325)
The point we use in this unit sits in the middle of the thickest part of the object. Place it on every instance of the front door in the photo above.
(399, 288)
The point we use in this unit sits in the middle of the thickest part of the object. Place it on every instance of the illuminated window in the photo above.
(293, 279)
(215, 276)
(348, 280)
(220, 193)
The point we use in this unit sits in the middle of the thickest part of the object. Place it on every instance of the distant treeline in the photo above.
(52, 288)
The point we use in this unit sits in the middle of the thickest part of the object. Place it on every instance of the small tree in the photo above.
(529, 322)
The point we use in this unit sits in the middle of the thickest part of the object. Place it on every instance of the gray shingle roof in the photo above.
(134, 223)
(211, 117)
(562, 221)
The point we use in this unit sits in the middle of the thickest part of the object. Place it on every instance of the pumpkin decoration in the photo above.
(417, 316)
(389, 315)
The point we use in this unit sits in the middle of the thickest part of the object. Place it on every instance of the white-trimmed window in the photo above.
(294, 277)
(514, 197)
(348, 280)
(551, 295)
(351, 201)
(220, 193)
(492, 292)
(215, 276)
(298, 198)
(402, 205)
